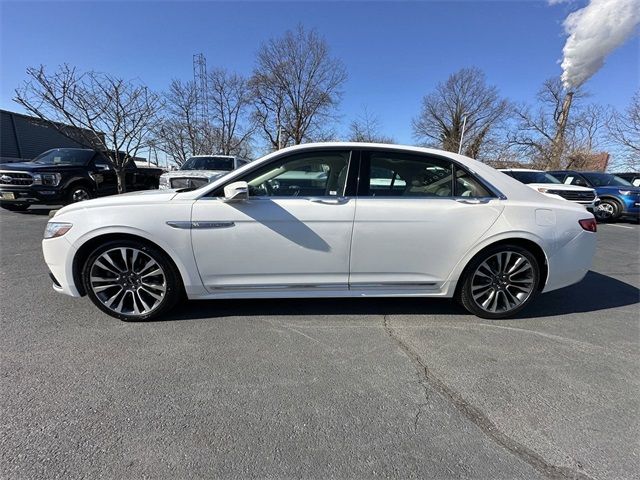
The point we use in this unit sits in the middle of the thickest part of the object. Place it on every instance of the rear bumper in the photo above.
(569, 264)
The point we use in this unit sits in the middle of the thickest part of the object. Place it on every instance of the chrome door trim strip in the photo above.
(200, 225)
(284, 286)
(392, 284)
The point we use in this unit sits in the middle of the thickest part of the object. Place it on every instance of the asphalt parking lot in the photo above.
(392, 388)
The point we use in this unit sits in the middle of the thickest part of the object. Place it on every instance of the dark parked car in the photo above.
(632, 177)
(67, 175)
(618, 197)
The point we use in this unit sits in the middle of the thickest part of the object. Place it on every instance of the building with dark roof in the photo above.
(23, 137)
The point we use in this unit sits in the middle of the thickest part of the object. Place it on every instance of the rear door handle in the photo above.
(329, 201)
(473, 201)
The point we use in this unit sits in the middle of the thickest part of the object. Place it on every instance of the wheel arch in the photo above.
(91, 244)
(527, 243)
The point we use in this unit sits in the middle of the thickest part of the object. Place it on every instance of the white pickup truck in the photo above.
(200, 170)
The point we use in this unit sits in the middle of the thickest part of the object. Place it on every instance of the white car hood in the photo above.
(560, 186)
(132, 198)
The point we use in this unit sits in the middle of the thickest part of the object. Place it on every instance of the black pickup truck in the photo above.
(67, 175)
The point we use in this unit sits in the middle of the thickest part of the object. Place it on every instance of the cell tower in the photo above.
(200, 82)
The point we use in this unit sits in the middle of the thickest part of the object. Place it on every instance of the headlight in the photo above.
(164, 182)
(56, 229)
(625, 192)
(542, 189)
(51, 179)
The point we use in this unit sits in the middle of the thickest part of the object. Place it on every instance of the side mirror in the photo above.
(236, 192)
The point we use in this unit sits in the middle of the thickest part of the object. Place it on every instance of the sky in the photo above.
(394, 52)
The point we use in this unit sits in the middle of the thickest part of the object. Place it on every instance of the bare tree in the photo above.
(107, 113)
(296, 85)
(366, 128)
(229, 105)
(465, 94)
(561, 130)
(624, 131)
(181, 132)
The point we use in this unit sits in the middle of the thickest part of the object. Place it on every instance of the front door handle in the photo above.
(329, 200)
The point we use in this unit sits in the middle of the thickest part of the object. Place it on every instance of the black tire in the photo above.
(137, 294)
(14, 207)
(507, 287)
(78, 192)
(609, 210)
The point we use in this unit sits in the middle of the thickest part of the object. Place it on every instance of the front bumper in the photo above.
(58, 255)
(35, 194)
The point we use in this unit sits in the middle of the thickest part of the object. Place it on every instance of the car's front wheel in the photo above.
(500, 282)
(131, 281)
(608, 211)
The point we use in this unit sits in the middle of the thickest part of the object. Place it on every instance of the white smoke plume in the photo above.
(594, 32)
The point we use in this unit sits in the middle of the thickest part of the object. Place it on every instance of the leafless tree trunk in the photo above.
(366, 128)
(296, 85)
(624, 130)
(229, 105)
(181, 133)
(560, 130)
(464, 94)
(109, 114)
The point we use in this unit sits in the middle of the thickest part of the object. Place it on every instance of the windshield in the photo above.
(208, 163)
(606, 180)
(534, 177)
(65, 156)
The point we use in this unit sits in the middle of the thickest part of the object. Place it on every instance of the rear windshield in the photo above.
(65, 156)
(208, 163)
(533, 177)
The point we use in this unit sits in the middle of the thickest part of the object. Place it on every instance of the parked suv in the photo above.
(551, 186)
(618, 198)
(200, 170)
(67, 175)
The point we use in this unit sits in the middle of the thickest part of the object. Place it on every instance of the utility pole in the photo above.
(464, 124)
(201, 84)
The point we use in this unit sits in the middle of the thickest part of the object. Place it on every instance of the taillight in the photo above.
(589, 224)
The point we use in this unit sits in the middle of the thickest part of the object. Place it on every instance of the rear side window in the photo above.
(398, 174)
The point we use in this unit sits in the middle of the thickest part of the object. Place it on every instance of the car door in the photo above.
(104, 175)
(416, 216)
(293, 232)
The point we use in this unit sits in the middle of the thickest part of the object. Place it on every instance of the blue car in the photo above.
(619, 198)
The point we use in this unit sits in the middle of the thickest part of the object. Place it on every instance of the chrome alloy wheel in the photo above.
(502, 282)
(79, 195)
(605, 211)
(128, 281)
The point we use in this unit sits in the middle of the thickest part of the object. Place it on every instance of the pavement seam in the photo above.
(477, 417)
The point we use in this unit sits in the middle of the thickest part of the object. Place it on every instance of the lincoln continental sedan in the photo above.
(325, 220)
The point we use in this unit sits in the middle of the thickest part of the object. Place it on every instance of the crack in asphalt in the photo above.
(477, 417)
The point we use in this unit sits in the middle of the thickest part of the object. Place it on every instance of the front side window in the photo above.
(533, 177)
(311, 174)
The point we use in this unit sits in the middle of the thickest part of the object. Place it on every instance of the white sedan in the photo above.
(325, 220)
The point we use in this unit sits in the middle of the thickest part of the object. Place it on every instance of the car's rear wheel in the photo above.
(131, 281)
(608, 210)
(500, 282)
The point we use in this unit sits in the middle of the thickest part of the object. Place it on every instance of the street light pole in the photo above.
(464, 124)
